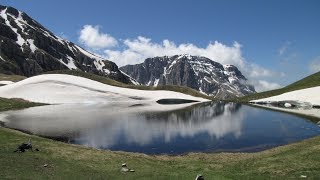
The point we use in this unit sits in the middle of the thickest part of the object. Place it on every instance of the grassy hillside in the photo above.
(14, 78)
(310, 81)
(11, 104)
(66, 161)
(105, 80)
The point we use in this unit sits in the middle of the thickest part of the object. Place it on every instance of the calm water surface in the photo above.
(207, 127)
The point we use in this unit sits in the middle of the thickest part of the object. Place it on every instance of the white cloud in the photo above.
(136, 50)
(314, 66)
(91, 37)
(256, 71)
(262, 85)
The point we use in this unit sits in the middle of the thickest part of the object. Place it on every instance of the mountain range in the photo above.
(27, 48)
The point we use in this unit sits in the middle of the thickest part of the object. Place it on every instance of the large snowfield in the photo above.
(62, 89)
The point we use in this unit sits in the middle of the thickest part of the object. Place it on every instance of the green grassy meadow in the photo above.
(67, 161)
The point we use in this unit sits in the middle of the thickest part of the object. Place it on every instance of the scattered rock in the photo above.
(45, 165)
(124, 168)
(24, 146)
(199, 177)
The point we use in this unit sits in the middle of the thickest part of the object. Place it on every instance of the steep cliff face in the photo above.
(27, 48)
(199, 73)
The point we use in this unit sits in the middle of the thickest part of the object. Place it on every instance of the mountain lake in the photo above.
(204, 127)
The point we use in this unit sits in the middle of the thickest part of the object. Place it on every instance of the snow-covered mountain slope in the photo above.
(309, 95)
(199, 73)
(27, 48)
(59, 88)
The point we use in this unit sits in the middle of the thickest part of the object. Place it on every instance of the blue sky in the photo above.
(281, 37)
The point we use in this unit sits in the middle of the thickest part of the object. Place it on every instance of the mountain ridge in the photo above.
(27, 48)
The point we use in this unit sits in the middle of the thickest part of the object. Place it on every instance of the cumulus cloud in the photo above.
(91, 37)
(314, 66)
(136, 50)
(262, 85)
(255, 71)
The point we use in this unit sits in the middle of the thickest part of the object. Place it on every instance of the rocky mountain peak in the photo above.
(197, 72)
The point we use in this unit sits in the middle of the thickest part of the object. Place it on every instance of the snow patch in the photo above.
(133, 81)
(156, 82)
(188, 56)
(70, 63)
(232, 80)
(287, 105)
(6, 82)
(32, 46)
(20, 40)
(2, 58)
(207, 79)
(19, 20)
(88, 54)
